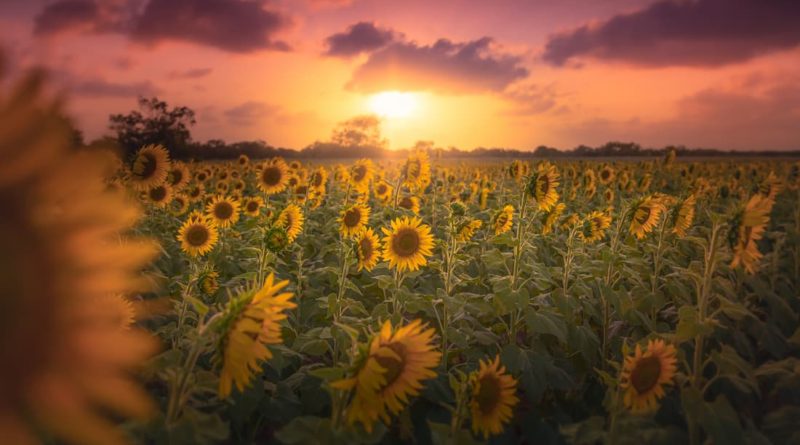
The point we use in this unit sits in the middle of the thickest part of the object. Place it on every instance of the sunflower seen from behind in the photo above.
(407, 244)
(646, 373)
(251, 321)
(683, 216)
(492, 398)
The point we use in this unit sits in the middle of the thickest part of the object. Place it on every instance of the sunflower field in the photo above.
(424, 300)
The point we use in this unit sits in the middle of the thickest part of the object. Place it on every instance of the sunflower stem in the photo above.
(657, 256)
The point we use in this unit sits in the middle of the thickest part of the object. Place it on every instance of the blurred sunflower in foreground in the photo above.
(66, 360)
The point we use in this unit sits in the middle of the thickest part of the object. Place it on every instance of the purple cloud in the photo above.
(250, 112)
(66, 15)
(359, 38)
(103, 88)
(686, 33)
(194, 73)
(445, 66)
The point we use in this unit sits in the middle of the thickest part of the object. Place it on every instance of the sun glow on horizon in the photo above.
(393, 104)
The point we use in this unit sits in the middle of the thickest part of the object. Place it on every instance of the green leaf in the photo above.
(688, 325)
(545, 322)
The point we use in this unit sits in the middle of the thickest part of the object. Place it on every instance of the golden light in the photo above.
(393, 104)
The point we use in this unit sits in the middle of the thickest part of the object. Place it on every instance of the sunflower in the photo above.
(409, 203)
(250, 322)
(209, 282)
(543, 184)
(367, 249)
(644, 375)
(646, 215)
(551, 218)
(407, 244)
(608, 196)
(273, 176)
(570, 221)
(493, 398)
(243, 160)
(198, 236)
(160, 195)
(201, 176)
(223, 211)
(251, 206)
(195, 192)
(771, 186)
(178, 175)
(150, 167)
(503, 219)
(606, 175)
(392, 370)
(361, 174)
(468, 229)
(747, 229)
(66, 363)
(517, 170)
(353, 219)
(179, 205)
(291, 219)
(595, 226)
(417, 170)
(683, 216)
(301, 193)
(318, 179)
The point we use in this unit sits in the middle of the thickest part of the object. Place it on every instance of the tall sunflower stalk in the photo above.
(658, 256)
(609, 281)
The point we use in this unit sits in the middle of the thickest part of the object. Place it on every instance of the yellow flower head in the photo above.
(291, 219)
(223, 211)
(150, 167)
(353, 220)
(407, 244)
(644, 375)
(503, 220)
(493, 398)
(273, 176)
(543, 184)
(198, 236)
(367, 249)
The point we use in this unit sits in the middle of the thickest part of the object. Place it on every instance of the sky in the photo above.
(466, 73)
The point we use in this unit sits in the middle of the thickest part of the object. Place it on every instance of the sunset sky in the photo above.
(499, 73)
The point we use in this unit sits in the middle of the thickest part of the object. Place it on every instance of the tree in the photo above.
(359, 131)
(153, 123)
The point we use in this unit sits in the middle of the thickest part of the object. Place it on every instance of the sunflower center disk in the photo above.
(646, 373)
(488, 394)
(394, 367)
(365, 249)
(145, 165)
(223, 210)
(271, 176)
(197, 235)
(359, 173)
(405, 243)
(158, 193)
(352, 218)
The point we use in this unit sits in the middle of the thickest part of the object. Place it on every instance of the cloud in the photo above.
(445, 66)
(65, 16)
(239, 26)
(194, 73)
(533, 98)
(249, 113)
(684, 33)
(359, 38)
(765, 119)
(102, 88)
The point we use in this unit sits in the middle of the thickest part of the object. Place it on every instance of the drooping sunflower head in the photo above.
(492, 399)
(409, 202)
(250, 322)
(150, 167)
(353, 220)
(407, 244)
(503, 220)
(646, 215)
(645, 373)
(291, 219)
(318, 179)
(552, 217)
(468, 229)
(361, 174)
(417, 170)
(368, 249)
(273, 176)
(747, 228)
(542, 186)
(683, 216)
(198, 236)
(392, 370)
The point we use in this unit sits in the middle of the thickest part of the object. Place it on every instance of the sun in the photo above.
(393, 104)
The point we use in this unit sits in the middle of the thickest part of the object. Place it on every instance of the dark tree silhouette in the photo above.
(153, 123)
